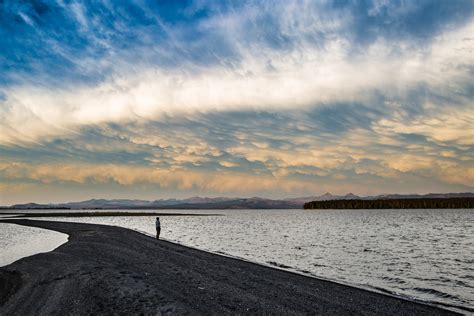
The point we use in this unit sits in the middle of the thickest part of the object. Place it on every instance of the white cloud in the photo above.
(304, 76)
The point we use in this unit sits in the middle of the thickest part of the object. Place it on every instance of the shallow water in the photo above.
(422, 254)
(18, 241)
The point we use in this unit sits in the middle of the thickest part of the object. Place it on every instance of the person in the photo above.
(158, 228)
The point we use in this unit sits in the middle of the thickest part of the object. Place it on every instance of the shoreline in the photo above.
(290, 269)
(18, 242)
(106, 268)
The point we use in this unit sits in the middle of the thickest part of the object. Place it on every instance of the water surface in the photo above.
(421, 254)
(18, 241)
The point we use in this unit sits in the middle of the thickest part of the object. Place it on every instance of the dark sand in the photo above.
(113, 270)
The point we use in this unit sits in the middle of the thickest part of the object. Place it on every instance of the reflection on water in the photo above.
(19, 241)
(424, 254)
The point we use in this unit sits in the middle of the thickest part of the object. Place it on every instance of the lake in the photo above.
(420, 254)
(20, 241)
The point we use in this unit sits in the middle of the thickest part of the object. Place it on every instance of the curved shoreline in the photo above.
(289, 269)
(112, 269)
(19, 241)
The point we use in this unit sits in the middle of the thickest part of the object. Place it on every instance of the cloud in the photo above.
(313, 80)
(447, 126)
(284, 147)
(222, 182)
(288, 97)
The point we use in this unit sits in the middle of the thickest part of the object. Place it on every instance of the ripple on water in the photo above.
(439, 294)
(427, 249)
(18, 241)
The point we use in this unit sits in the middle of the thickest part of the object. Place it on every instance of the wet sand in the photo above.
(113, 270)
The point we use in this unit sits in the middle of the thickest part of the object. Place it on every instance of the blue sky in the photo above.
(152, 99)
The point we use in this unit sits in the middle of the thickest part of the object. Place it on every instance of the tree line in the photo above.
(392, 203)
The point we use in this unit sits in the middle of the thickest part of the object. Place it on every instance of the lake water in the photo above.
(19, 241)
(421, 254)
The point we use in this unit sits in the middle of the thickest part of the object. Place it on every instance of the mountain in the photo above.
(351, 196)
(251, 203)
(190, 203)
(103, 203)
(422, 196)
(226, 202)
(325, 197)
(201, 200)
(35, 206)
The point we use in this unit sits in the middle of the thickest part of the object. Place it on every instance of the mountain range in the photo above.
(223, 202)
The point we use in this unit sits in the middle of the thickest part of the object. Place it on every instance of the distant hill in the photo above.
(191, 203)
(325, 197)
(226, 202)
(423, 196)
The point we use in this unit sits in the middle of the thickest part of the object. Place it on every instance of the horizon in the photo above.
(236, 197)
(263, 99)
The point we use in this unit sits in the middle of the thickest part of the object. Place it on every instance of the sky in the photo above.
(156, 99)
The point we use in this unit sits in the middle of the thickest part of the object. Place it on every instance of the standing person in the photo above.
(158, 227)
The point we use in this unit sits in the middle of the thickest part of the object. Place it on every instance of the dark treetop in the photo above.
(392, 203)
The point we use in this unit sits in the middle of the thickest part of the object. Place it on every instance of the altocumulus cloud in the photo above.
(280, 98)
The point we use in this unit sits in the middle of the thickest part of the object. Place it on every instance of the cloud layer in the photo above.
(287, 98)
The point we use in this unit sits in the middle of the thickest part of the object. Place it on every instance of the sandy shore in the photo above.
(105, 269)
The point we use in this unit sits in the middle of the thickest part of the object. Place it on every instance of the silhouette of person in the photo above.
(158, 227)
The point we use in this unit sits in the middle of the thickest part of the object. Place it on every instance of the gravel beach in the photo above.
(112, 270)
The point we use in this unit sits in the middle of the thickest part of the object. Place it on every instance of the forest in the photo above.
(392, 203)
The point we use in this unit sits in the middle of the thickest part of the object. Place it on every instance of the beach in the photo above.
(107, 269)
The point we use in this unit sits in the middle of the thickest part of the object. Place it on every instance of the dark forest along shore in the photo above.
(106, 269)
(418, 203)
